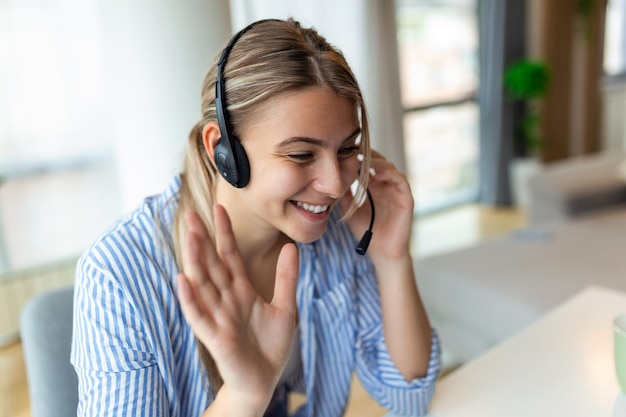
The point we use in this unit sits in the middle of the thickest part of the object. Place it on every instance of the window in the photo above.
(438, 52)
(57, 186)
(615, 38)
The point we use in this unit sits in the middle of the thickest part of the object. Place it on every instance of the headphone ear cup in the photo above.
(243, 165)
(234, 168)
(223, 160)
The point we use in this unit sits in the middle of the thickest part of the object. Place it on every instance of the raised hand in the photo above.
(249, 338)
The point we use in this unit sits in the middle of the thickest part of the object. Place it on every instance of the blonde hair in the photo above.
(271, 58)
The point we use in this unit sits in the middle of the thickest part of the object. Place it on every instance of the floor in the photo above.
(13, 384)
(445, 231)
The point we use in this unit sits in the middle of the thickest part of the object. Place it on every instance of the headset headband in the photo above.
(232, 162)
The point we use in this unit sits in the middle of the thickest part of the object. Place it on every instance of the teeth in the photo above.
(312, 208)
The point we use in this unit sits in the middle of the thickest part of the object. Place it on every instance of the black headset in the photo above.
(230, 157)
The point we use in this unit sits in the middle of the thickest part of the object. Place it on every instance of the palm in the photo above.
(249, 338)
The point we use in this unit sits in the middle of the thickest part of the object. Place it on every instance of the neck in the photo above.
(260, 256)
(259, 244)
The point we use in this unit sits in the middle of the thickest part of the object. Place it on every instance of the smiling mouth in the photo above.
(311, 208)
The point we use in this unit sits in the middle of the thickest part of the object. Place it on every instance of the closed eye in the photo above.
(344, 153)
(349, 151)
(300, 157)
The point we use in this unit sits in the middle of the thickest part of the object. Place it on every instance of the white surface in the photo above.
(562, 365)
(498, 287)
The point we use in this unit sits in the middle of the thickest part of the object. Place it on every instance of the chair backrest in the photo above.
(46, 333)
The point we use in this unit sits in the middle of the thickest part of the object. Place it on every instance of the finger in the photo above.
(287, 270)
(194, 258)
(193, 262)
(226, 244)
(194, 222)
(197, 317)
(391, 177)
(377, 155)
(196, 273)
(381, 164)
(202, 259)
(196, 240)
(386, 171)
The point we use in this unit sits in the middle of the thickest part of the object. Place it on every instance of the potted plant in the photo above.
(526, 81)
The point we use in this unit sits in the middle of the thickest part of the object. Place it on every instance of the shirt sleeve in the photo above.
(116, 369)
(374, 367)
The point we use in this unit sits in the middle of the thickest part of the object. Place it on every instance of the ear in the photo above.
(210, 136)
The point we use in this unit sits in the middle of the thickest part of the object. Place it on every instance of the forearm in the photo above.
(405, 323)
(228, 403)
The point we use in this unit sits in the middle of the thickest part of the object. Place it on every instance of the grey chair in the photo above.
(46, 332)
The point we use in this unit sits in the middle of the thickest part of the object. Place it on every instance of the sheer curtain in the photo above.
(96, 102)
(51, 82)
(502, 40)
(51, 106)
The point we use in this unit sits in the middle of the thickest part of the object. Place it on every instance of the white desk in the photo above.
(559, 366)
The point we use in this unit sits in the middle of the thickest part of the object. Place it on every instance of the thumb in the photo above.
(287, 270)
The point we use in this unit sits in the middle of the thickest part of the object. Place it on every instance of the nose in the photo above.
(329, 179)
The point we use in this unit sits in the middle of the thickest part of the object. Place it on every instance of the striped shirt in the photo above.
(135, 355)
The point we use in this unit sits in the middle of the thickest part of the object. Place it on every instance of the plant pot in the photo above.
(520, 170)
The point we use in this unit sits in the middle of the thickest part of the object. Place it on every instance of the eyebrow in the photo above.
(317, 142)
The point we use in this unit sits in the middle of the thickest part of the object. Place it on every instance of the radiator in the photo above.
(16, 288)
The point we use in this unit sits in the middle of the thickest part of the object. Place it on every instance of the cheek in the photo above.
(350, 170)
(275, 180)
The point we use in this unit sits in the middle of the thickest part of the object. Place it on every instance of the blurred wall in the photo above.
(156, 53)
(572, 45)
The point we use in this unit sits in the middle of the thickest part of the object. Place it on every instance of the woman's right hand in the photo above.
(249, 339)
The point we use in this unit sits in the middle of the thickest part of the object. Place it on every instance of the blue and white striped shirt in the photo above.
(135, 354)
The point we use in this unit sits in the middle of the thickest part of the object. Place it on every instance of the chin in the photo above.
(311, 237)
(308, 240)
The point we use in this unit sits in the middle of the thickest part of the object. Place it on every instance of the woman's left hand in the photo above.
(406, 327)
(393, 203)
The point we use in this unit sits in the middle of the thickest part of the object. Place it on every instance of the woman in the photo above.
(241, 283)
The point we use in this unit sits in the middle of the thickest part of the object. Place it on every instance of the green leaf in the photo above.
(527, 79)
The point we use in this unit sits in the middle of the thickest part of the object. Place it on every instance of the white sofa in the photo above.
(480, 295)
(573, 187)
